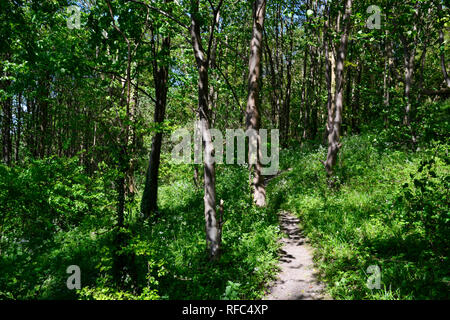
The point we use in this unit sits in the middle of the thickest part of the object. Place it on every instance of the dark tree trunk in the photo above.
(43, 121)
(334, 132)
(409, 70)
(285, 129)
(19, 128)
(6, 132)
(160, 74)
(274, 99)
(312, 117)
(409, 48)
(305, 106)
(389, 65)
(356, 100)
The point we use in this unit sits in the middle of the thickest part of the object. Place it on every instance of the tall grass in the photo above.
(376, 215)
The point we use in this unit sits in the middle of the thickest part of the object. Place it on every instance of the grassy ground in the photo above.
(249, 240)
(389, 209)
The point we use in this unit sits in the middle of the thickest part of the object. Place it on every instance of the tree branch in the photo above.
(164, 13)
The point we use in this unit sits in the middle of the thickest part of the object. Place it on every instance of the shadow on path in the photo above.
(297, 279)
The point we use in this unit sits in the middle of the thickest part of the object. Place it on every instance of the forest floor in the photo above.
(297, 279)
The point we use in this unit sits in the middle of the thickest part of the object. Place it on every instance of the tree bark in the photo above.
(253, 118)
(388, 66)
(356, 99)
(19, 128)
(409, 71)
(285, 128)
(335, 126)
(149, 203)
(330, 69)
(442, 55)
(274, 99)
(304, 105)
(6, 134)
(202, 60)
(409, 59)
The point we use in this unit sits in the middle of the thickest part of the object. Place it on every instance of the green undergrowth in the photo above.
(249, 244)
(388, 208)
(55, 216)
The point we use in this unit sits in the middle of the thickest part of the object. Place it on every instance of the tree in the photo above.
(204, 113)
(160, 78)
(441, 42)
(253, 118)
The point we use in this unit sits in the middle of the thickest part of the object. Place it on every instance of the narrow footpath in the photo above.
(297, 278)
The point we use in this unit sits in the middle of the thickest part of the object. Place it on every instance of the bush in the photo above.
(50, 213)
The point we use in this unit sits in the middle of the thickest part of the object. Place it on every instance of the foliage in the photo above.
(78, 110)
(50, 214)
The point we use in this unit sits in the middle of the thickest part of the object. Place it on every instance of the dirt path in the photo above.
(297, 278)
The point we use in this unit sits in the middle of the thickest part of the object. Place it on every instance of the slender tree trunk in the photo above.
(388, 65)
(213, 94)
(6, 132)
(409, 70)
(312, 96)
(442, 55)
(212, 226)
(123, 163)
(330, 77)
(273, 82)
(43, 116)
(334, 132)
(443, 66)
(348, 100)
(423, 59)
(279, 63)
(409, 59)
(161, 75)
(356, 98)
(19, 128)
(6, 122)
(253, 120)
(304, 106)
(287, 100)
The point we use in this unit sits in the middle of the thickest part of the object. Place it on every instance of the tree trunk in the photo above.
(211, 223)
(442, 56)
(356, 98)
(160, 74)
(253, 120)
(6, 134)
(388, 66)
(285, 129)
(273, 82)
(409, 59)
(330, 77)
(43, 116)
(19, 128)
(443, 67)
(304, 105)
(312, 96)
(335, 127)
(409, 70)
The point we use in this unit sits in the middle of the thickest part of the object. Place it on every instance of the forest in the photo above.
(182, 149)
